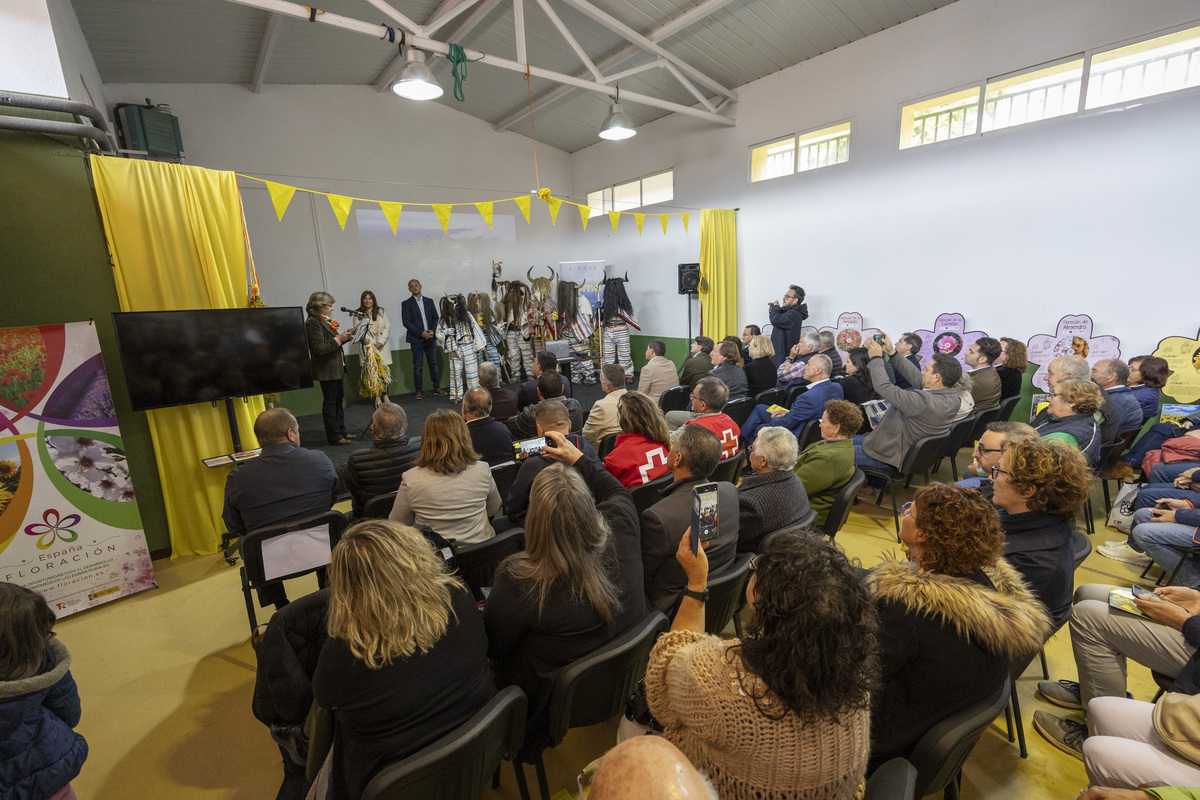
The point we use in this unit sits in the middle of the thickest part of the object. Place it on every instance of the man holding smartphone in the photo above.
(549, 417)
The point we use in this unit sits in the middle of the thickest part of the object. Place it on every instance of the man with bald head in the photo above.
(1066, 368)
(285, 482)
(807, 406)
(1112, 376)
(648, 766)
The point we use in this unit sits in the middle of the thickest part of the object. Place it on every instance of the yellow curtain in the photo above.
(176, 238)
(718, 267)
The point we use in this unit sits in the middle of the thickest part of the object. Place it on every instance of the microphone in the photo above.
(352, 311)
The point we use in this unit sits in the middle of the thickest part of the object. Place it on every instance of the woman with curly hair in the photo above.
(784, 712)
(1147, 376)
(406, 658)
(1010, 366)
(1071, 417)
(640, 454)
(826, 466)
(950, 619)
(1040, 485)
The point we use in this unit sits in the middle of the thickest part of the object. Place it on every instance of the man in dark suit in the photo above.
(527, 395)
(809, 405)
(699, 363)
(504, 401)
(693, 457)
(420, 320)
(285, 482)
(490, 438)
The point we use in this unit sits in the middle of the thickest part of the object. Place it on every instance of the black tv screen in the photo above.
(173, 358)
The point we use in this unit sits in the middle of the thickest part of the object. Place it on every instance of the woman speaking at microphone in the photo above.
(328, 364)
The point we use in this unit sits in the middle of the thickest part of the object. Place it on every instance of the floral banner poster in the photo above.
(69, 522)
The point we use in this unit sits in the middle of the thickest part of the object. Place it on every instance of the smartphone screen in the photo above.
(704, 514)
(528, 447)
(1140, 592)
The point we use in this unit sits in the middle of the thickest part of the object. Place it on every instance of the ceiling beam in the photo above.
(264, 53)
(622, 75)
(615, 25)
(469, 24)
(659, 33)
(395, 16)
(388, 76)
(566, 34)
(519, 26)
(441, 15)
(432, 46)
(688, 85)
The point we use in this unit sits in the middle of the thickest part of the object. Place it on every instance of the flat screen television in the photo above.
(174, 358)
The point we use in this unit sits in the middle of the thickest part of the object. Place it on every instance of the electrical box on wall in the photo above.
(152, 130)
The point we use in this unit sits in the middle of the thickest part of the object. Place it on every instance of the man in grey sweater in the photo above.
(914, 413)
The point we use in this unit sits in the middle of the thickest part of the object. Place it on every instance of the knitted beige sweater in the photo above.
(694, 690)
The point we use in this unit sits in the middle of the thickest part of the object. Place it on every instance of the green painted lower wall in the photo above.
(56, 269)
(308, 401)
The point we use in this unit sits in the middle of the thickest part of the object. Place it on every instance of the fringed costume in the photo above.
(617, 314)
(459, 335)
(576, 324)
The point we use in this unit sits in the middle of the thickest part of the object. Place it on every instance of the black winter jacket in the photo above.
(370, 473)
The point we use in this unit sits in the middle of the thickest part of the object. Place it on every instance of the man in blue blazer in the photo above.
(809, 405)
(420, 319)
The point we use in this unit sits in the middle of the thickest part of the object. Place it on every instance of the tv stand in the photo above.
(238, 455)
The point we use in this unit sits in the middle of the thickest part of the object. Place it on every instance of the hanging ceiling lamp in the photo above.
(617, 125)
(416, 81)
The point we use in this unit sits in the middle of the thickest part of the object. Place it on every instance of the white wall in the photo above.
(1013, 230)
(28, 55)
(82, 79)
(353, 141)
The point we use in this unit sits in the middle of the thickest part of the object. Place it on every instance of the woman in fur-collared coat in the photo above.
(950, 621)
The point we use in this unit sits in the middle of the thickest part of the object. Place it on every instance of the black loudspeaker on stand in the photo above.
(689, 278)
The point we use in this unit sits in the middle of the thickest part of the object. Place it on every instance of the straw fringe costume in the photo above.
(459, 335)
(575, 321)
(617, 313)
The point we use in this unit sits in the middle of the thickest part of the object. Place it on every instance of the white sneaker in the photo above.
(1121, 551)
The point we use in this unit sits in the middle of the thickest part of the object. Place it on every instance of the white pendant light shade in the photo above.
(617, 124)
(416, 81)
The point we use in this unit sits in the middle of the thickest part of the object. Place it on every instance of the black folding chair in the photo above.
(1108, 459)
(739, 410)
(725, 595)
(839, 512)
(809, 433)
(650, 493)
(607, 444)
(729, 469)
(505, 475)
(458, 765)
(769, 398)
(792, 393)
(477, 562)
(956, 438)
(289, 550)
(894, 779)
(940, 754)
(677, 398)
(379, 507)
(982, 420)
(919, 460)
(1007, 406)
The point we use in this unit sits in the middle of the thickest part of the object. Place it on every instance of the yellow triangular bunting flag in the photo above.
(639, 219)
(341, 207)
(555, 204)
(523, 204)
(584, 214)
(485, 211)
(280, 197)
(663, 218)
(443, 214)
(684, 217)
(391, 212)
(615, 216)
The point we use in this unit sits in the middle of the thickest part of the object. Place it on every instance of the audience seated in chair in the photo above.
(698, 363)
(1177, 487)
(1067, 368)
(829, 349)
(576, 587)
(907, 347)
(988, 449)
(792, 371)
(550, 417)
(783, 713)
(950, 619)
(640, 453)
(524, 426)
(370, 473)
(1011, 367)
(856, 385)
(1153, 440)
(285, 482)
(406, 658)
(1070, 417)
(693, 457)
(1147, 376)
(504, 401)
(808, 406)
(659, 373)
(709, 398)
(450, 489)
(1165, 640)
(759, 365)
(490, 438)
(642, 767)
(527, 392)
(1112, 375)
(826, 466)
(1040, 486)
(966, 400)
(771, 498)
(981, 358)
(726, 359)
(914, 413)
(603, 418)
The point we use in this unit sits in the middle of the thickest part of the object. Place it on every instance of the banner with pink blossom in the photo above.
(69, 522)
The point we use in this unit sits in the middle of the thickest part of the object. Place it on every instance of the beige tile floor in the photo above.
(166, 679)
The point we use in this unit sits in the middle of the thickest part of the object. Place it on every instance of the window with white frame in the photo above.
(1155, 66)
(940, 118)
(1031, 96)
(658, 187)
(800, 152)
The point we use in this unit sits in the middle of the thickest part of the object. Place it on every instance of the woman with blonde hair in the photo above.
(406, 658)
(576, 587)
(449, 488)
(1011, 366)
(760, 369)
(640, 453)
(376, 374)
(1071, 417)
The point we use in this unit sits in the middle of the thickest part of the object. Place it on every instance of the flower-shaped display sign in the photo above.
(1073, 338)
(949, 337)
(849, 332)
(1183, 355)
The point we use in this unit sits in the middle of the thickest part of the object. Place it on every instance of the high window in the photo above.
(658, 187)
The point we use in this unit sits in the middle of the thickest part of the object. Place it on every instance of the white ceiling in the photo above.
(217, 41)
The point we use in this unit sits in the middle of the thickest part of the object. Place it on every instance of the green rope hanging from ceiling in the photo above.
(458, 69)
